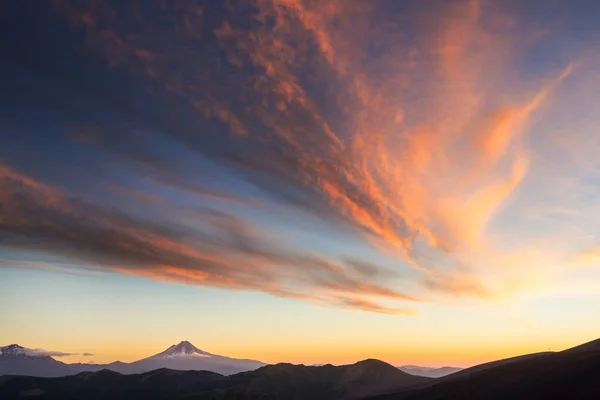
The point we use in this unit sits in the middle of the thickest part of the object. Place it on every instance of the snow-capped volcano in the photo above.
(13, 350)
(185, 357)
(18, 360)
(182, 350)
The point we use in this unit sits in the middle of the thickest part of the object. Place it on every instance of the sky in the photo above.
(299, 180)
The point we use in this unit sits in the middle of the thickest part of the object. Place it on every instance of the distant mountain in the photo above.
(571, 374)
(281, 382)
(428, 371)
(18, 360)
(184, 356)
(13, 350)
(183, 350)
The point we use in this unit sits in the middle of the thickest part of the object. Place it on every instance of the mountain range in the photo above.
(18, 360)
(572, 374)
(280, 381)
(428, 371)
(569, 374)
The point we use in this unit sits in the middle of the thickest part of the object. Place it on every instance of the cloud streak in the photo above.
(223, 252)
(48, 353)
(406, 127)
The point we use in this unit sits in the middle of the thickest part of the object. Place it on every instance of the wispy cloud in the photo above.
(406, 127)
(366, 305)
(48, 353)
(589, 256)
(224, 252)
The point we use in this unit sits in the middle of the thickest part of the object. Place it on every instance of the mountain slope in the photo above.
(326, 382)
(186, 357)
(281, 381)
(106, 384)
(182, 350)
(569, 374)
(429, 372)
(16, 360)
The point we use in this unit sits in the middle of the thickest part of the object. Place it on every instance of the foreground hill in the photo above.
(281, 381)
(106, 384)
(328, 382)
(569, 374)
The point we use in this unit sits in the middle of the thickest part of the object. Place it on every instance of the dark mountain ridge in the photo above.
(569, 374)
(280, 381)
(18, 360)
(429, 372)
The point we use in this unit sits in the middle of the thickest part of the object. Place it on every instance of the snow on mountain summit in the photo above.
(184, 356)
(183, 350)
(13, 350)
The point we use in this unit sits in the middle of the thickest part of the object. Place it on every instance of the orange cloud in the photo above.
(221, 251)
(414, 137)
(365, 305)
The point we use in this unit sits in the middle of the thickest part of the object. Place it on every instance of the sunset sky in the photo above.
(300, 180)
